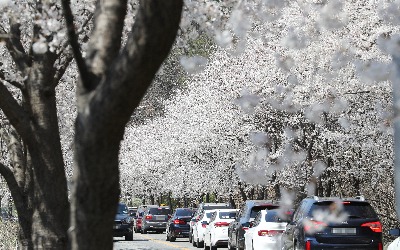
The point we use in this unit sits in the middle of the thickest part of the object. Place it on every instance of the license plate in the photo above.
(344, 230)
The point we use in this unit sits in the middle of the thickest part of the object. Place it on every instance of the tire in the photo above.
(129, 237)
(167, 237)
(194, 243)
(190, 237)
(199, 244)
(206, 247)
(296, 245)
(172, 239)
(229, 245)
(237, 245)
(213, 247)
(144, 231)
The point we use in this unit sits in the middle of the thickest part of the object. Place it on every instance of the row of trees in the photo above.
(314, 120)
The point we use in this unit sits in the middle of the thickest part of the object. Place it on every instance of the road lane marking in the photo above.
(165, 243)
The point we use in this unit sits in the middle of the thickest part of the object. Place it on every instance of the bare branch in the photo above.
(11, 183)
(14, 112)
(358, 92)
(127, 80)
(76, 50)
(14, 83)
(64, 66)
(14, 45)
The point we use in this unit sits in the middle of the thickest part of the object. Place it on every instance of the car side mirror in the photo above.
(394, 232)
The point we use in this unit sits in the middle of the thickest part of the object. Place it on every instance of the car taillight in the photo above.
(245, 228)
(203, 225)
(221, 224)
(313, 226)
(269, 232)
(380, 246)
(308, 245)
(181, 222)
(149, 217)
(375, 226)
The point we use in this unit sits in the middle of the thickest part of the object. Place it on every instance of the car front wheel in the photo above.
(129, 237)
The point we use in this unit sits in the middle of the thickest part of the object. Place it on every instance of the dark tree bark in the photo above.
(113, 81)
(36, 176)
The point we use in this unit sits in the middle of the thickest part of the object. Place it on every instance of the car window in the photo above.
(274, 216)
(256, 209)
(122, 209)
(299, 212)
(353, 209)
(159, 211)
(257, 219)
(227, 215)
(213, 216)
(183, 212)
(209, 214)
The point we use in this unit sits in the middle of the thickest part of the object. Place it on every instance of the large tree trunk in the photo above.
(36, 177)
(112, 85)
(51, 207)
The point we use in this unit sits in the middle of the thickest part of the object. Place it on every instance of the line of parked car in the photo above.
(316, 223)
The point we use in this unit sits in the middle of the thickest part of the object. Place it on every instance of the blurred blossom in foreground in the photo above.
(247, 102)
(193, 64)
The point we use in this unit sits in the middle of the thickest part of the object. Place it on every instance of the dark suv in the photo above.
(334, 223)
(247, 213)
(123, 223)
(155, 219)
(178, 226)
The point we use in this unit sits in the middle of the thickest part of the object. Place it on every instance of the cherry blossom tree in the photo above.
(317, 93)
(112, 80)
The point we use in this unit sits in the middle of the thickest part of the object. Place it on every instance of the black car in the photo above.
(179, 224)
(247, 213)
(155, 219)
(123, 223)
(334, 223)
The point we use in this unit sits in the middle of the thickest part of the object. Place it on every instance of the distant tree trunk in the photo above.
(242, 193)
(207, 197)
(170, 200)
(152, 201)
(231, 201)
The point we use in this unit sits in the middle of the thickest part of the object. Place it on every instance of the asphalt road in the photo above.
(152, 242)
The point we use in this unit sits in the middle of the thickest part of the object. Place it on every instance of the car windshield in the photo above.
(159, 211)
(122, 209)
(227, 215)
(209, 214)
(256, 209)
(274, 216)
(353, 209)
(184, 212)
